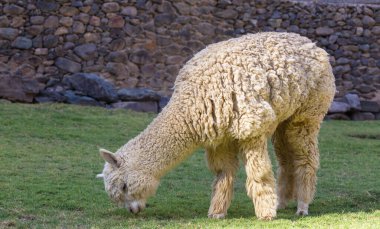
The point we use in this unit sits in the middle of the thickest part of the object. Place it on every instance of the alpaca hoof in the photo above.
(302, 209)
(281, 206)
(267, 218)
(217, 216)
(267, 215)
(265, 208)
(302, 213)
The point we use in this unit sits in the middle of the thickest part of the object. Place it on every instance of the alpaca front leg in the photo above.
(223, 162)
(260, 183)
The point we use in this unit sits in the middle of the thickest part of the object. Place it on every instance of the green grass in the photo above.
(49, 159)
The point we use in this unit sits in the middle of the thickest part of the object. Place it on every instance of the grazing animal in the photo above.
(229, 99)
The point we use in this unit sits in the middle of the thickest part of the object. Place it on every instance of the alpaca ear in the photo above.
(101, 175)
(109, 157)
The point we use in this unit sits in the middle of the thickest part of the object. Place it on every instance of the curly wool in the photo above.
(229, 98)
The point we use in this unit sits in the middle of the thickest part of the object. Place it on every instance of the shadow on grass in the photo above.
(339, 205)
(365, 136)
(320, 207)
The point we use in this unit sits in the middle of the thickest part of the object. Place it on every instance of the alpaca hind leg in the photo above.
(285, 171)
(260, 182)
(223, 162)
(302, 137)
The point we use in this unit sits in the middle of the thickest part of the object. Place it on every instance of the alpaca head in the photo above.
(126, 187)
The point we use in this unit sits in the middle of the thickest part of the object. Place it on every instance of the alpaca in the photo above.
(229, 99)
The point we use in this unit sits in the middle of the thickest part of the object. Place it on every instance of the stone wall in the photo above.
(346, 2)
(144, 43)
(342, 2)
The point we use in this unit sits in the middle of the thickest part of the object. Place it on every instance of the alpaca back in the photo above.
(244, 87)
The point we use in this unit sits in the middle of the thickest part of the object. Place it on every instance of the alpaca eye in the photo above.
(125, 187)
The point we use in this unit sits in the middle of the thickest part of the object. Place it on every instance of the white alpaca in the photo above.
(229, 98)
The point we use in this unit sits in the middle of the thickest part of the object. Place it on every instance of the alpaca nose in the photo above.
(134, 210)
(135, 207)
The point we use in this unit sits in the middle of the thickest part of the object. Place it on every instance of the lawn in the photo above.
(49, 159)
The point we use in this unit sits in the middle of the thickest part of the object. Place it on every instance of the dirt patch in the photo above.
(366, 136)
(7, 224)
(27, 217)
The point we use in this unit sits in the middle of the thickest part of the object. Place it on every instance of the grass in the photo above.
(49, 159)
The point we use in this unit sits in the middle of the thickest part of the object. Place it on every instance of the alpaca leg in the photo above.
(285, 171)
(260, 182)
(306, 165)
(301, 134)
(223, 162)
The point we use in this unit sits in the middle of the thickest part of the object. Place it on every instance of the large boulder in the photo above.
(73, 98)
(142, 106)
(354, 101)
(338, 116)
(135, 94)
(339, 107)
(19, 89)
(163, 102)
(370, 106)
(50, 94)
(377, 116)
(361, 116)
(92, 85)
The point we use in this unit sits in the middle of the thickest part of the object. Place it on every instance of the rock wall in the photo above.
(144, 43)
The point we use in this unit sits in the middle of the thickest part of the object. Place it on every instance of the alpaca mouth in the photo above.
(135, 206)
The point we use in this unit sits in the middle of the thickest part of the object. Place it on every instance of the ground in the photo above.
(49, 159)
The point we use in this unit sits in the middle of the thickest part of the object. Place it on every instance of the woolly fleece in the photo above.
(229, 99)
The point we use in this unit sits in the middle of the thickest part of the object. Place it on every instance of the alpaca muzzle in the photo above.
(135, 206)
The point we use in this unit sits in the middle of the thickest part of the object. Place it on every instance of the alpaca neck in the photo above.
(162, 145)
